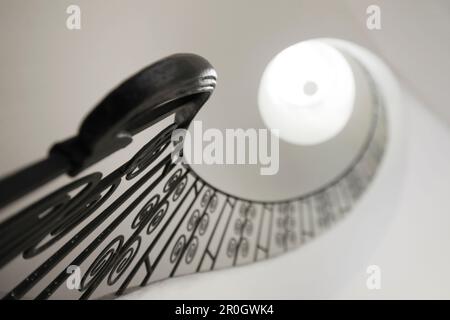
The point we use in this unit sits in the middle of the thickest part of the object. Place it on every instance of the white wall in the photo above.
(52, 77)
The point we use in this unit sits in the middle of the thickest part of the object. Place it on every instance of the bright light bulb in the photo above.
(307, 92)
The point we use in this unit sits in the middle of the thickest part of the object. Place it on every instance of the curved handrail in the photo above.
(175, 207)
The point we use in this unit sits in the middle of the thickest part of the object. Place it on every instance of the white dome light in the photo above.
(307, 92)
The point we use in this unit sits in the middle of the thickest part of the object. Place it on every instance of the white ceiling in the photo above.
(51, 77)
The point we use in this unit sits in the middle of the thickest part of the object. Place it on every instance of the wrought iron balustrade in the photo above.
(150, 218)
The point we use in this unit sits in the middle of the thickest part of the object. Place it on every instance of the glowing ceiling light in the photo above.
(307, 92)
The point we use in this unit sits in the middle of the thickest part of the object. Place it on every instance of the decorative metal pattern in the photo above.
(166, 221)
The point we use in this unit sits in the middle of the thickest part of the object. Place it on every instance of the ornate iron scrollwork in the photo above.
(150, 218)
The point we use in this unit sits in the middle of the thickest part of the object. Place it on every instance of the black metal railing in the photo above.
(151, 218)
